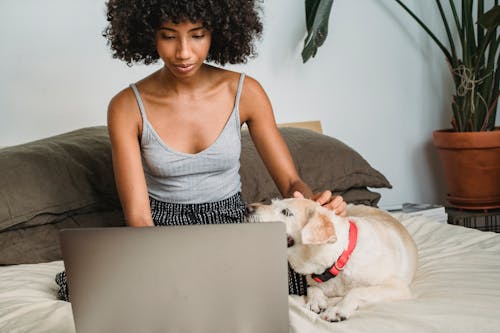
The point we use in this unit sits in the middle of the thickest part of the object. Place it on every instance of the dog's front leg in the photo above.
(361, 296)
(316, 300)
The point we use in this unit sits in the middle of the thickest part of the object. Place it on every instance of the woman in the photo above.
(175, 134)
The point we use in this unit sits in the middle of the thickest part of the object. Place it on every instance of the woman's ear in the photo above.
(318, 230)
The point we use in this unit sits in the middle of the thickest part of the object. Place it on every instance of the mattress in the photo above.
(456, 289)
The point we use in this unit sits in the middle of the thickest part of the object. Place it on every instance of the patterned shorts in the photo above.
(230, 210)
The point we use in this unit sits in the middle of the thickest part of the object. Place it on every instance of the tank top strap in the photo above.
(139, 101)
(236, 109)
(238, 93)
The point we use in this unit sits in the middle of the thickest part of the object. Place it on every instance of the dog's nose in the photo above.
(249, 209)
(290, 241)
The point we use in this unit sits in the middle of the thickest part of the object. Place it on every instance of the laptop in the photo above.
(196, 278)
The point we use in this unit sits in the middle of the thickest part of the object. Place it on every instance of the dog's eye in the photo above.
(287, 212)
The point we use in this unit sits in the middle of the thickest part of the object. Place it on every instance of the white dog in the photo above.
(351, 261)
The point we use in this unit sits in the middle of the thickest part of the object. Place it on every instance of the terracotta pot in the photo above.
(471, 166)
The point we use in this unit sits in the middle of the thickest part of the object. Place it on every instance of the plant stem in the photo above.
(436, 40)
(448, 33)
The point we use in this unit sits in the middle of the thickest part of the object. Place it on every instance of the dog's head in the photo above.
(307, 223)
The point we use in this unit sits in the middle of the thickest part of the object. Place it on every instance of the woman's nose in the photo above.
(183, 50)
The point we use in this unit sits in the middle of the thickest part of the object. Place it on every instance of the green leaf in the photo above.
(457, 20)
(448, 33)
(311, 8)
(479, 28)
(317, 17)
(490, 19)
(470, 48)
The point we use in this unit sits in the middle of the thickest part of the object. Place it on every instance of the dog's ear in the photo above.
(318, 230)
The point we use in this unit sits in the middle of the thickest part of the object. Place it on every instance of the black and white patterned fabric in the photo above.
(62, 281)
(230, 210)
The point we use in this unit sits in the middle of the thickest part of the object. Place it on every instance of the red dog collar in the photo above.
(342, 260)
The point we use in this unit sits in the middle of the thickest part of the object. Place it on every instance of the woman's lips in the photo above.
(184, 68)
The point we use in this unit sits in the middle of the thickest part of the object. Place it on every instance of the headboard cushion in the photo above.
(49, 179)
(323, 162)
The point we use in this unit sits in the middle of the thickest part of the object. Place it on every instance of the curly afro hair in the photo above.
(233, 24)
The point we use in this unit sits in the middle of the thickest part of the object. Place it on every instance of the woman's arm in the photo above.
(124, 127)
(256, 111)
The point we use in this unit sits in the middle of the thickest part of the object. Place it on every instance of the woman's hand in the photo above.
(326, 199)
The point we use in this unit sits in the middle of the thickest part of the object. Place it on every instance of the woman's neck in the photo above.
(187, 86)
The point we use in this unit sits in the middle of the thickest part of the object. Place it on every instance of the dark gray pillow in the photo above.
(44, 181)
(359, 196)
(40, 243)
(323, 162)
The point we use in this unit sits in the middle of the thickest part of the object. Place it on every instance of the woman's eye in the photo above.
(198, 36)
(167, 37)
(287, 212)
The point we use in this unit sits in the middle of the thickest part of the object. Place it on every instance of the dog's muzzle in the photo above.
(249, 210)
(248, 214)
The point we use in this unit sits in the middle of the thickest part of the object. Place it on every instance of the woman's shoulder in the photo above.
(253, 100)
(124, 112)
(124, 99)
(252, 89)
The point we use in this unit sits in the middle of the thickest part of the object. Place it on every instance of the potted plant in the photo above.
(470, 150)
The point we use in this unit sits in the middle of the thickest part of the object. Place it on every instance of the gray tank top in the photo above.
(208, 176)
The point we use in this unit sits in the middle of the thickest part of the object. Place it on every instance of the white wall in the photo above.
(378, 84)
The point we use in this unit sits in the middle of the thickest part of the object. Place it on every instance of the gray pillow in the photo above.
(41, 243)
(323, 162)
(359, 196)
(46, 180)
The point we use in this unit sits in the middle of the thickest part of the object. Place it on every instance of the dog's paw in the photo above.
(333, 315)
(316, 300)
(340, 312)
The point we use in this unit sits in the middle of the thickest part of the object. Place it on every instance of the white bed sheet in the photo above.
(456, 289)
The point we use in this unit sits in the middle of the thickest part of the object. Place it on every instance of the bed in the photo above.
(67, 181)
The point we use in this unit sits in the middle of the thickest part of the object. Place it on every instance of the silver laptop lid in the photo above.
(198, 278)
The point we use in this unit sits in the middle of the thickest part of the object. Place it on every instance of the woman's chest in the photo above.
(190, 126)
